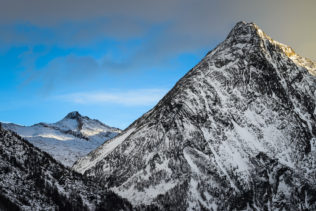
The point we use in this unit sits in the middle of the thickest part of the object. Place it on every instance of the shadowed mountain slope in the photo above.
(32, 180)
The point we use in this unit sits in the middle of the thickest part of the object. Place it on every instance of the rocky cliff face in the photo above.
(236, 132)
(68, 139)
(32, 180)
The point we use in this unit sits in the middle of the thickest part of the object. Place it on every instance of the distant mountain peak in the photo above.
(68, 139)
(73, 115)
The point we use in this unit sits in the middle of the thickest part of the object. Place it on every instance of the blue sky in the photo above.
(106, 79)
(114, 60)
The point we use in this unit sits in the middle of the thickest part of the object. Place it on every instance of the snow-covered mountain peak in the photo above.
(73, 115)
(76, 122)
(68, 139)
(237, 132)
(73, 121)
(244, 29)
(249, 33)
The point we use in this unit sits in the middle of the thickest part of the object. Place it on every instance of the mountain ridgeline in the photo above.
(238, 131)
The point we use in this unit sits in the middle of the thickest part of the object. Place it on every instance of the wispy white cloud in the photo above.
(138, 97)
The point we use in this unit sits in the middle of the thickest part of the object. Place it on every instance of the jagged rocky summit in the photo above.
(32, 180)
(236, 132)
(68, 139)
